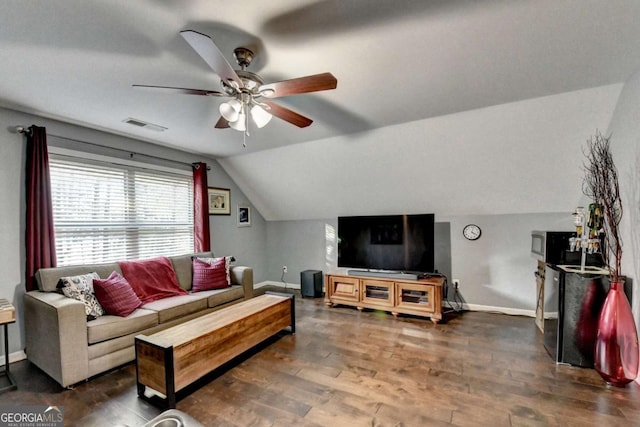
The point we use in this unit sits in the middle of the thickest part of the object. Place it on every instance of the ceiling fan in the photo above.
(247, 90)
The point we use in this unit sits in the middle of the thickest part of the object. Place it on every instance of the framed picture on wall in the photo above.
(219, 201)
(244, 216)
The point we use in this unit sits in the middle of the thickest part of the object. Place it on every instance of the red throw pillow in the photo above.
(116, 295)
(208, 276)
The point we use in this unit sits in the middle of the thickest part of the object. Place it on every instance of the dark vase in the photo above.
(616, 352)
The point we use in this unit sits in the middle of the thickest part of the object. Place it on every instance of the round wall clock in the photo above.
(471, 232)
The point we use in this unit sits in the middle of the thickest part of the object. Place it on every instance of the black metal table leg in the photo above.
(12, 382)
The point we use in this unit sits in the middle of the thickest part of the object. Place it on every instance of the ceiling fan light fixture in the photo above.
(239, 123)
(244, 88)
(230, 110)
(260, 116)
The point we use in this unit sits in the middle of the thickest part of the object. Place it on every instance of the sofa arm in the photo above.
(56, 336)
(243, 276)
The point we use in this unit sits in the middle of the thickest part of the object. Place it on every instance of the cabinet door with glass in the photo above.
(377, 292)
(415, 297)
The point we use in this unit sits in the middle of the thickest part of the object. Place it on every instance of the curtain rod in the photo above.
(23, 130)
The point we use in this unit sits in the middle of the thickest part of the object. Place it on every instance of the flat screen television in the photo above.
(397, 243)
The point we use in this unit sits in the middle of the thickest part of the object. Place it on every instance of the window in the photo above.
(105, 212)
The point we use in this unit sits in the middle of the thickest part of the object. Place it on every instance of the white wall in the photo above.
(12, 212)
(247, 244)
(625, 145)
(300, 245)
(497, 269)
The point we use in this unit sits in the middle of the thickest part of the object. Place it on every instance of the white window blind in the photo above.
(106, 212)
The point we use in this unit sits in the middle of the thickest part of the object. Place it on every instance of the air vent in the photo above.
(146, 125)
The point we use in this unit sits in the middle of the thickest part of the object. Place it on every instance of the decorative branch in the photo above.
(601, 184)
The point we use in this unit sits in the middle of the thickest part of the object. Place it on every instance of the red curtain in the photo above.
(40, 239)
(201, 233)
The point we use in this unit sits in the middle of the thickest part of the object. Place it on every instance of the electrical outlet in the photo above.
(456, 283)
(284, 268)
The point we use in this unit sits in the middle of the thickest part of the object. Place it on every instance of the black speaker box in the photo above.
(311, 283)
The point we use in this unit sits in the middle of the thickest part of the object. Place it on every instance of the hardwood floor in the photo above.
(350, 368)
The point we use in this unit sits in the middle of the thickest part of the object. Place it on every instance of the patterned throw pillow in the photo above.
(116, 295)
(81, 288)
(227, 264)
(207, 276)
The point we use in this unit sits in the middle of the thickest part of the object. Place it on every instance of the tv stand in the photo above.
(421, 297)
(385, 274)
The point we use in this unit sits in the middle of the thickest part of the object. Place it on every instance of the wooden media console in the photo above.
(172, 359)
(421, 297)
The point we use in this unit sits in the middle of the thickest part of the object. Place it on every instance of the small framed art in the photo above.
(244, 216)
(219, 201)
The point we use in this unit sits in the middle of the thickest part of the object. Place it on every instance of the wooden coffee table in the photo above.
(172, 359)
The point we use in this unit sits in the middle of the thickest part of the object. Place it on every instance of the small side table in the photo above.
(7, 315)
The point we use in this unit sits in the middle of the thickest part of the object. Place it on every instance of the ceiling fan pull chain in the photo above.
(246, 121)
(245, 134)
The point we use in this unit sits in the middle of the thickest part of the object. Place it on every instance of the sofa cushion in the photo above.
(116, 295)
(209, 275)
(109, 346)
(218, 297)
(177, 306)
(48, 278)
(152, 279)
(108, 327)
(81, 288)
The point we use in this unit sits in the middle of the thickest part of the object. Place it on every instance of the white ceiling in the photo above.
(396, 61)
(446, 106)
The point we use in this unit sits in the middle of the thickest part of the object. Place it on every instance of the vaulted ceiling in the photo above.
(411, 71)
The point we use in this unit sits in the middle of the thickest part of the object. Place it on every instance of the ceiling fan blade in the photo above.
(207, 49)
(222, 123)
(288, 115)
(317, 82)
(183, 90)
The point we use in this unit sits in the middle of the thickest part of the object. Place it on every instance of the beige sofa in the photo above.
(61, 342)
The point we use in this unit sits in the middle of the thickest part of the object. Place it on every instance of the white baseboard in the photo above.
(501, 310)
(274, 283)
(14, 357)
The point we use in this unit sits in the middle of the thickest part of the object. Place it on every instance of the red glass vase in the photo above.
(616, 352)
